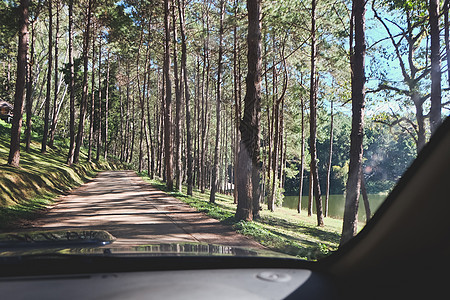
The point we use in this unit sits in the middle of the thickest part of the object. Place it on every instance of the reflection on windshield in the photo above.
(280, 125)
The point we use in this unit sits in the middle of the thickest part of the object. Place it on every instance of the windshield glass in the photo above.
(262, 126)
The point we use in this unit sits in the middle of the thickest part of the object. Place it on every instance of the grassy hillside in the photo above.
(26, 190)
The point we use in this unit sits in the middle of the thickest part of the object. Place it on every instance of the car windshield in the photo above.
(211, 127)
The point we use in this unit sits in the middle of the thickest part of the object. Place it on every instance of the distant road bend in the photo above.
(136, 213)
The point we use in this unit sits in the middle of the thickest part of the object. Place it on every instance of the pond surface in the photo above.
(336, 204)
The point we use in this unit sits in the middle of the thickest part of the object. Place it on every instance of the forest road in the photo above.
(135, 213)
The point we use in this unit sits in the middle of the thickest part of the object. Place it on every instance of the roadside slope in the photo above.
(40, 178)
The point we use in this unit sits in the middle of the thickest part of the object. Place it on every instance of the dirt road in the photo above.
(136, 213)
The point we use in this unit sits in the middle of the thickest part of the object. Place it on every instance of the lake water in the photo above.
(336, 204)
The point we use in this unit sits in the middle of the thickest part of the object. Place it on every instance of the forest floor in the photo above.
(283, 230)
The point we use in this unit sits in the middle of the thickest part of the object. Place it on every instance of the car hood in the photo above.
(101, 243)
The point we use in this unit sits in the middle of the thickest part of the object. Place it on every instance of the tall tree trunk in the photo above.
(29, 98)
(198, 118)
(105, 147)
(84, 96)
(275, 146)
(14, 148)
(150, 144)
(93, 115)
(178, 141)
(435, 110)
(141, 100)
(447, 37)
(215, 171)
(99, 111)
(189, 150)
(302, 157)
(168, 149)
(350, 223)
(49, 79)
(310, 193)
(71, 89)
(133, 128)
(205, 105)
(56, 90)
(327, 195)
(365, 198)
(237, 102)
(249, 160)
(420, 119)
(313, 119)
(122, 134)
(127, 118)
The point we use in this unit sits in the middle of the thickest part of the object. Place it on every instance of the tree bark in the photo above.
(215, 171)
(79, 139)
(14, 150)
(350, 223)
(189, 150)
(365, 199)
(313, 119)
(435, 110)
(29, 99)
(237, 102)
(327, 195)
(71, 89)
(275, 146)
(140, 90)
(447, 37)
(56, 90)
(99, 105)
(302, 158)
(49, 79)
(178, 138)
(168, 149)
(310, 193)
(105, 144)
(249, 160)
(93, 115)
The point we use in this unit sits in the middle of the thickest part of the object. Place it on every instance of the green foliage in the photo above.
(9, 20)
